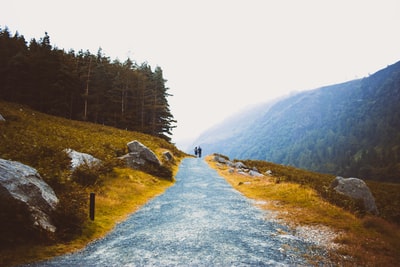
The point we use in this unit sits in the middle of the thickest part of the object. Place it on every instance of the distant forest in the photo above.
(83, 86)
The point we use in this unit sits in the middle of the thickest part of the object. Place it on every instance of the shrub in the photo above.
(162, 171)
(91, 174)
(71, 212)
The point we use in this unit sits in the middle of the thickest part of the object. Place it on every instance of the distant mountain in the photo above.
(348, 129)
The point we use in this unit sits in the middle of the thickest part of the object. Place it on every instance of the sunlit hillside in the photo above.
(302, 198)
(39, 140)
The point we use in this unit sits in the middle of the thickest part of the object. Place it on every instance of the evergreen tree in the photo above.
(84, 86)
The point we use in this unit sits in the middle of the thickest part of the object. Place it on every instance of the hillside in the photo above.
(305, 200)
(348, 129)
(39, 140)
(83, 86)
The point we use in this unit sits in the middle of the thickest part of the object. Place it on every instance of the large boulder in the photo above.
(356, 189)
(139, 154)
(79, 158)
(21, 185)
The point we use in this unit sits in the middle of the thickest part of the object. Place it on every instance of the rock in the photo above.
(255, 173)
(357, 189)
(223, 160)
(139, 154)
(230, 164)
(168, 155)
(79, 158)
(240, 165)
(22, 185)
(269, 172)
(2, 118)
(219, 159)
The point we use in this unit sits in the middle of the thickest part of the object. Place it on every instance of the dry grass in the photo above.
(367, 241)
(115, 200)
(39, 140)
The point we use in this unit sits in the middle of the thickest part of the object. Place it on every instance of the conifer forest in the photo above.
(83, 86)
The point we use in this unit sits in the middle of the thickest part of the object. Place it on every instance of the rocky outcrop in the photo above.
(238, 167)
(139, 155)
(21, 185)
(356, 189)
(79, 158)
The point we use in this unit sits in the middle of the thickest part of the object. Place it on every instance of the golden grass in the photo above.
(115, 200)
(37, 139)
(368, 241)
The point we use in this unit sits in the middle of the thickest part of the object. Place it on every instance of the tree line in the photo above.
(84, 86)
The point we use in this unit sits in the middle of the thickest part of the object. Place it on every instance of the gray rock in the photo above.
(255, 173)
(269, 172)
(139, 154)
(79, 158)
(2, 118)
(168, 155)
(219, 159)
(230, 163)
(222, 160)
(357, 189)
(240, 165)
(23, 185)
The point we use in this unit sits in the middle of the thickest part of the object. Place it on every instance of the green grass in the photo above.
(39, 140)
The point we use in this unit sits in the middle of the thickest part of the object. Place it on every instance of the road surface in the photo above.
(199, 221)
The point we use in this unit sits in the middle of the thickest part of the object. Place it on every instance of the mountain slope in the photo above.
(349, 129)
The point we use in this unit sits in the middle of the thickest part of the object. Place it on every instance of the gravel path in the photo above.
(200, 221)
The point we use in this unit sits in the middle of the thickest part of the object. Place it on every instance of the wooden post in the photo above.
(92, 205)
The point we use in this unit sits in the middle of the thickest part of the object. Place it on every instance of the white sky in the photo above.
(222, 55)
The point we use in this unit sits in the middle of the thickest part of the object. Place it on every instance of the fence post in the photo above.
(92, 205)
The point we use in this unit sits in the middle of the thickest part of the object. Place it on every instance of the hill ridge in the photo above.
(349, 129)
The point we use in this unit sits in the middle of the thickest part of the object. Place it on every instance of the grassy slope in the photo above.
(366, 241)
(37, 139)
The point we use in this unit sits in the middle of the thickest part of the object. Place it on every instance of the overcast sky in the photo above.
(221, 55)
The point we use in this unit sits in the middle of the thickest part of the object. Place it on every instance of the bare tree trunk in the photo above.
(87, 91)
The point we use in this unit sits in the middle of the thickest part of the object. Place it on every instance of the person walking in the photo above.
(195, 151)
(199, 151)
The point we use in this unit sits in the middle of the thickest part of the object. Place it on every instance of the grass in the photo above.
(39, 140)
(364, 240)
(115, 200)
